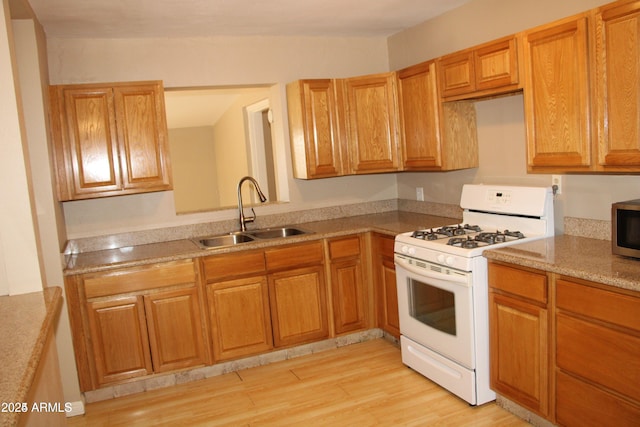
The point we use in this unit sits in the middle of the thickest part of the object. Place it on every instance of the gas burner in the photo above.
(464, 242)
(424, 234)
(498, 236)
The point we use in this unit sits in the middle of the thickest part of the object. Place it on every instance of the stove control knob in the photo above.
(441, 259)
(404, 249)
(450, 260)
(412, 251)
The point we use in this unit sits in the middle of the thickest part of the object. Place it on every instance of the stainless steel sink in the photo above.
(274, 233)
(223, 240)
(236, 238)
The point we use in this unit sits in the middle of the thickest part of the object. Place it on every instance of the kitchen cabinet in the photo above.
(519, 320)
(617, 92)
(434, 136)
(581, 92)
(487, 69)
(314, 128)
(109, 139)
(386, 292)
(297, 293)
(556, 96)
(238, 304)
(597, 354)
(372, 123)
(133, 322)
(349, 296)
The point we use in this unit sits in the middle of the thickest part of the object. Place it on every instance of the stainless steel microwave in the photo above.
(625, 228)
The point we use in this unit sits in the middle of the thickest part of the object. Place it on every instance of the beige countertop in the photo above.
(579, 257)
(25, 322)
(391, 223)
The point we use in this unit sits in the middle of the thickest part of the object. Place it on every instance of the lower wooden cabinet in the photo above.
(130, 323)
(385, 284)
(175, 329)
(349, 296)
(297, 293)
(519, 336)
(119, 339)
(240, 317)
(134, 322)
(567, 349)
(597, 355)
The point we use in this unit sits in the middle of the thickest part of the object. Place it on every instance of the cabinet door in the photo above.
(419, 106)
(298, 306)
(556, 96)
(457, 73)
(314, 129)
(519, 351)
(347, 285)
(496, 65)
(86, 141)
(617, 87)
(119, 339)
(385, 285)
(142, 134)
(175, 329)
(372, 123)
(391, 318)
(240, 317)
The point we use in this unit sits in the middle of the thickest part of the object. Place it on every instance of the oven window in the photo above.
(432, 306)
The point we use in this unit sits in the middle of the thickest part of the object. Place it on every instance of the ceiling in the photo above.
(206, 18)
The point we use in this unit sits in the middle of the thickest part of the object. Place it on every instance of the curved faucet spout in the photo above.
(242, 218)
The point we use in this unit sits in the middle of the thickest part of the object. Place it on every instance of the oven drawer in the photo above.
(530, 284)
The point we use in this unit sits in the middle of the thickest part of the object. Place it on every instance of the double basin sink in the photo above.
(239, 237)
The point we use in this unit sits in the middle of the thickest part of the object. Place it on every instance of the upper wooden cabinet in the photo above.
(434, 135)
(556, 95)
(109, 139)
(314, 128)
(617, 86)
(581, 91)
(483, 70)
(372, 123)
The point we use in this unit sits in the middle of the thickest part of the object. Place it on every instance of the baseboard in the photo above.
(77, 408)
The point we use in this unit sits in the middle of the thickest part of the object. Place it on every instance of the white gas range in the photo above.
(443, 289)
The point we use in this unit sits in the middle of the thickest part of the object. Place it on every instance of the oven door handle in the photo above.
(423, 272)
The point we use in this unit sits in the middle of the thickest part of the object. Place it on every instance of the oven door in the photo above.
(435, 306)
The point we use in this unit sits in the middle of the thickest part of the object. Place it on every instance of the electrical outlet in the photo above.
(420, 194)
(556, 181)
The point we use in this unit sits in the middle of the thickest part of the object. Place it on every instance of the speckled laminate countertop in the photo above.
(579, 257)
(25, 322)
(391, 223)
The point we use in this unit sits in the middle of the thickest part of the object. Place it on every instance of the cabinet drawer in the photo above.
(342, 248)
(602, 355)
(236, 264)
(139, 279)
(293, 256)
(523, 283)
(581, 404)
(608, 306)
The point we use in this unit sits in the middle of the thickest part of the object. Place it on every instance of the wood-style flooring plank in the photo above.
(362, 384)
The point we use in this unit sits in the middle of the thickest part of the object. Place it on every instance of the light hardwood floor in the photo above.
(363, 384)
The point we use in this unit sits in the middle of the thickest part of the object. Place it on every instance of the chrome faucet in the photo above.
(245, 219)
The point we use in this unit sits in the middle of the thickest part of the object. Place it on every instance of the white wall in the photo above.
(501, 131)
(216, 62)
(20, 270)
